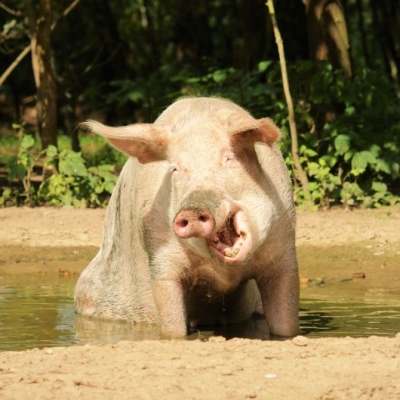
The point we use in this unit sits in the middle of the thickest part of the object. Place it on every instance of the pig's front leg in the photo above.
(170, 300)
(280, 297)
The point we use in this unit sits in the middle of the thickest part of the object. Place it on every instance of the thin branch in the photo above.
(66, 12)
(8, 71)
(300, 175)
(27, 49)
(10, 11)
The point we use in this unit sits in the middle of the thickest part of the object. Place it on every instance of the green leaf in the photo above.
(219, 76)
(342, 143)
(350, 110)
(313, 168)
(310, 152)
(369, 157)
(379, 187)
(51, 151)
(361, 160)
(27, 142)
(329, 160)
(375, 150)
(263, 66)
(135, 95)
(109, 187)
(348, 155)
(395, 169)
(72, 164)
(193, 80)
(383, 165)
(16, 170)
(70, 168)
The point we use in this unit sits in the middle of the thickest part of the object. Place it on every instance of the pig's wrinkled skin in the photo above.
(200, 228)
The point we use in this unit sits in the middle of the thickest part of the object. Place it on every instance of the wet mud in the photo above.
(345, 291)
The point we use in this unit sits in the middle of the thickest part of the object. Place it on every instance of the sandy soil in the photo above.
(45, 227)
(301, 368)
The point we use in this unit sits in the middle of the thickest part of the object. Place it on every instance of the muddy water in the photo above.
(37, 285)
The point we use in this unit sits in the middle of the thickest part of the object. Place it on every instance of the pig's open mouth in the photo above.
(232, 242)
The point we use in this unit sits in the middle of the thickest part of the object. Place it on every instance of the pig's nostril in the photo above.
(182, 223)
(193, 223)
(203, 218)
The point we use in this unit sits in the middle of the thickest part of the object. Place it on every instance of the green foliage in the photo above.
(350, 141)
(348, 133)
(349, 130)
(253, 90)
(125, 61)
(21, 168)
(95, 150)
(65, 180)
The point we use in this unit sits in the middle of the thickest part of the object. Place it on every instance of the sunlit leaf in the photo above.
(51, 151)
(219, 76)
(342, 143)
(27, 142)
(263, 66)
(379, 187)
(362, 159)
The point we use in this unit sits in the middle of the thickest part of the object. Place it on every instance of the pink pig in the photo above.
(200, 228)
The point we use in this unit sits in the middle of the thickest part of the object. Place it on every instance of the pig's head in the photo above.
(215, 175)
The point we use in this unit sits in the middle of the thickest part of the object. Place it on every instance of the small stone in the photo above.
(358, 275)
(300, 341)
(226, 371)
(271, 376)
(304, 280)
(49, 351)
(316, 282)
(217, 339)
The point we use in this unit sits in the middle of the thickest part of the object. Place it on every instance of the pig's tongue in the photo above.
(232, 243)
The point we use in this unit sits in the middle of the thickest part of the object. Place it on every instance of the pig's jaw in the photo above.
(233, 242)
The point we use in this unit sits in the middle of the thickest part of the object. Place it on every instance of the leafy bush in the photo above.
(65, 180)
(349, 133)
(350, 141)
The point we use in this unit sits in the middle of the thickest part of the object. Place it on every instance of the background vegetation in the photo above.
(124, 61)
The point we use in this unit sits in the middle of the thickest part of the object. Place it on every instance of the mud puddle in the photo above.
(37, 286)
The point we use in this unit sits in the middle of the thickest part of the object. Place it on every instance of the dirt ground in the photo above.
(301, 368)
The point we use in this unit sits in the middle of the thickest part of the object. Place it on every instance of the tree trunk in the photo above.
(47, 91)
(318, 47)
(387, 19)
(46, 105)
(327, 33)
(363, 33)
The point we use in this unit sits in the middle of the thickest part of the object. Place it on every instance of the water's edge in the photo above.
(37, 285)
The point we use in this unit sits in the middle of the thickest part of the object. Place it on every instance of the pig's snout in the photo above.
(193, 223)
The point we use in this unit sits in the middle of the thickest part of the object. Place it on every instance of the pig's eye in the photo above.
(173, 168)
(230, 159)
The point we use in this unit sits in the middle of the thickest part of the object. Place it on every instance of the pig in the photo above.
(200, 228)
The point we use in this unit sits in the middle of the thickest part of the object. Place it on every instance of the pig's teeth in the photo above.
(231, 253)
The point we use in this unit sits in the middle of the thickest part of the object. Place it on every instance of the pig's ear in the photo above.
(146, 142)
(260, 130)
